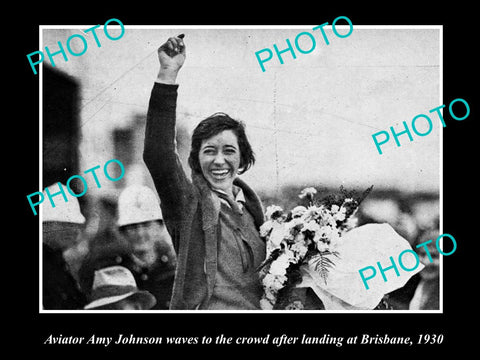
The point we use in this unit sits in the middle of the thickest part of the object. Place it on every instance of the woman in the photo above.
(213, 218)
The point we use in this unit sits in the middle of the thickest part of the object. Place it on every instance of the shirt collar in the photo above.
(237, 191)
(240, 196)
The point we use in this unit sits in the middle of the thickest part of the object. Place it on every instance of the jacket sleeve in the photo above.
(160, 154)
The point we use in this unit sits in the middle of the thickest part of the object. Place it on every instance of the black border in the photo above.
(29, 329)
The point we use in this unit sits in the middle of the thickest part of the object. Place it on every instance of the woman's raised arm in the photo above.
(171, 55)
(160, 153)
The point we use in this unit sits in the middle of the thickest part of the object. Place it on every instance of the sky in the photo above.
(310, 120)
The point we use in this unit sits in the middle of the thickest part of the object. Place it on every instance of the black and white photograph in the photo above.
(242, 189)
(279, 175)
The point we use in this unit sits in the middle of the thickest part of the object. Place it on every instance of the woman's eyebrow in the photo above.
(208, 146)
(230, 146)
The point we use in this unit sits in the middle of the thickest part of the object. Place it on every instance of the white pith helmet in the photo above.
(381, 210)
(137, 204)
(63, 211)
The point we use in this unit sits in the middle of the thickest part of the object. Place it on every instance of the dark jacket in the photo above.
(110, 248)
(189, 207)
(60, 289)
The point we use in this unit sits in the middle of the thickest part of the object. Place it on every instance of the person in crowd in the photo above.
(214, 217)
(139, 242)
(140, 221)
(427, 293)
(61, 230)
(114, 288)
(107, 248)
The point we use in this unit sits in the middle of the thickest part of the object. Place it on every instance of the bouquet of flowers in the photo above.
(306, 237)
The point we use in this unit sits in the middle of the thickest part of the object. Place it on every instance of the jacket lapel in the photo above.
(210, 207)
(252, 203)
(210, 203)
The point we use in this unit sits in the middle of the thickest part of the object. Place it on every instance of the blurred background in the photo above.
(309, 120)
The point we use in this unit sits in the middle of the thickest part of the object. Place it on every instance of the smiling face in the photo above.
(219, 159)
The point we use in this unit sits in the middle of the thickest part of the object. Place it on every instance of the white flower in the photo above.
(277, 268)
(312, 213)
(279, 282)
(278, 234)
(265, 304)
(272, 284)
(334, 209)
(280, 265)
(266, 227)
(327, 219)
(268, 280)
(298, 211)
(272, 210)
(307, 192)
(300, 238)
(325, 234)
(327, 231)
(311, 226)
(299, 249)
(321, 246)
(339, 215)
(295, 222)
(288, 255)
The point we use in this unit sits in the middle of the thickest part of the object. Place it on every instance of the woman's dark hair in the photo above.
(214, 125)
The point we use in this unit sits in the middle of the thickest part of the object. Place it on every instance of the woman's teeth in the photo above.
(220, 173)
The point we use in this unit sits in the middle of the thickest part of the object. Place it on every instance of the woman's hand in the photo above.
(171, 55)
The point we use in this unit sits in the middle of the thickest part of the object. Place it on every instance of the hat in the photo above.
(63, 211)
(115, 283)
(137, 204)
(381, 210)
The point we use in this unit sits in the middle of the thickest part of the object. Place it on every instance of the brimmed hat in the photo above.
(115, 283)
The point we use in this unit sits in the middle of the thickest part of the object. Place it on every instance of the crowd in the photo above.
(131, 265)
(417, 220)
(127, 266)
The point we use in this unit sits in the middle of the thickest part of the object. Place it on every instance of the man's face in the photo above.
(61, 235)
(431, 267)
(144, 238)
(125, 304)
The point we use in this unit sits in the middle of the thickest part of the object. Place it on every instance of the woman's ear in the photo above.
(241, 168)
